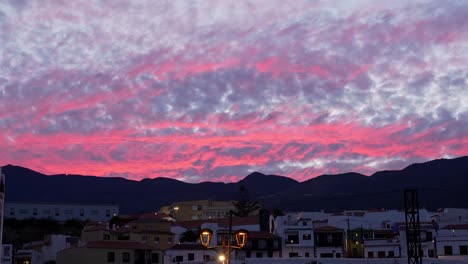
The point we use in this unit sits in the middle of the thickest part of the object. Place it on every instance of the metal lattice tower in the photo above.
(413, 233)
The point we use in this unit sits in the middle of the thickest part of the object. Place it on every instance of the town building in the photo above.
(45, 251)
(2, 207)
(452, 240)
(60, 211)
(198, 210)
(135, 239)
(7, 254)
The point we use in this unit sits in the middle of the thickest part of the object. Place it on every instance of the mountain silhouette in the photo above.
(441, 183)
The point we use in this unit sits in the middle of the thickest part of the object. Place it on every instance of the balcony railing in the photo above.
(333, 243)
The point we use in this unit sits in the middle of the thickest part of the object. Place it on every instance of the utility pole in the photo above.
(348, 238)
(413, 230)
(230, 237)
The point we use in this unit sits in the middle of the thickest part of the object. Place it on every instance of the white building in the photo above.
(39, 252)
(7, 254)
(2, 209)
(452, 240)
(451, 216)
(296, 231)
(61, 212)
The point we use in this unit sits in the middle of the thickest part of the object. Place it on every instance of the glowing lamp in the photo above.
(205, 237)
(241, 237)
(222, 258)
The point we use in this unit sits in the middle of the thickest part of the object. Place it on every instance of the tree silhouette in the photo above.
(244, 206)
(189, 236)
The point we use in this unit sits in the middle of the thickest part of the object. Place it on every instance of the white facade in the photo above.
(452, 242)
(61, 212)
(7, 254)
(451, 216)
(383, 234)
(296, 231)
(2, 207)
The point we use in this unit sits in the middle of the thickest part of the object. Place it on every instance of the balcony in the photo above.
(328, 243)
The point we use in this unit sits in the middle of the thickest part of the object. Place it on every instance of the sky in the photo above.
(214, 90)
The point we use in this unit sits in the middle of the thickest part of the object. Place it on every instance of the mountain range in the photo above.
(440, 183)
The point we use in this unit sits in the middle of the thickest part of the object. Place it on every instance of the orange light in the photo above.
(241, 237)
(205, 237)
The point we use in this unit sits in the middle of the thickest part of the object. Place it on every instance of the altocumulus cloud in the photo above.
(213, 90)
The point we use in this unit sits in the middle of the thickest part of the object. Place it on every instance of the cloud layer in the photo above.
(213, 90)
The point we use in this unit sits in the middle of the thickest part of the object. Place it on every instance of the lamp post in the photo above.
(226, 246)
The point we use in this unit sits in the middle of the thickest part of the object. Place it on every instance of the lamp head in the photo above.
(205, 237)
(241, 237)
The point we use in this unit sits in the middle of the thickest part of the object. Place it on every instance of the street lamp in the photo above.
(226, 246)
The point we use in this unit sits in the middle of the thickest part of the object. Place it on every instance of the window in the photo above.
(154, 257)
(338, 255)
(126, 257)
(326, 255)
(179, 259)
(57, 211)
(107, 213)
(306, 237)
(463, 250)
(262, 244)
(430, 253)
(304, 223)
(254, 244)
(293, 254)
(106, 237)
(156, 239)
(248, 254)
(448, 250)
(110, 257)
(270, 253)
(381, 254)
(6, 251)
(259, 255)
(34, 211)
(370, 254)
(428, 236)
(169, 240)
(307, 254)
(191, 256)
(391, 254)
(293, 239)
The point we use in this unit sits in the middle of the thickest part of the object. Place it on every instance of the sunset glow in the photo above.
(214, 90)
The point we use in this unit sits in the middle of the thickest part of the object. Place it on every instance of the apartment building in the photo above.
(134, 239)
(2, 207)
(198, 210)
(61, 211)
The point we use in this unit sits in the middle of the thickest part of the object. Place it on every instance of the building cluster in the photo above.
(171, 235)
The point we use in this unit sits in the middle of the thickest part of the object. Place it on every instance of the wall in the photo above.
(349, 261)
(65, 212)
